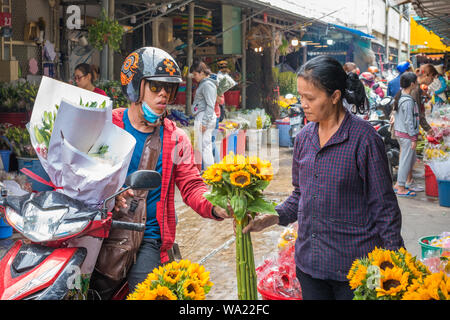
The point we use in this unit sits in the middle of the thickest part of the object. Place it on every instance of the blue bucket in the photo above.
(283, 131)
(444, 193)
(6, 154)
(34, 165)
(6, 230)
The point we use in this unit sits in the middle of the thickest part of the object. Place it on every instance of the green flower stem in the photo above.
(245, 265)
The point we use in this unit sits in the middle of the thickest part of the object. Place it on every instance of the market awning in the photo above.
(425, 41)
(435, 16)
(353, 31)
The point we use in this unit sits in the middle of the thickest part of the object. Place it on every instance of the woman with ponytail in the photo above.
(343, 198)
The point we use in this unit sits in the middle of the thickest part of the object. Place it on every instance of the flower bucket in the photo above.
(431, 185)
(444, 193)
(283, 129)
(428, 250)
(6, 154)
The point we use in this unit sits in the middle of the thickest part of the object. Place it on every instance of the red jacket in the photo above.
(177, 168)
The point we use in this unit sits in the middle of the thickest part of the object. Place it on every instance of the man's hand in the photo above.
(203, 128)
(261, 222)
(222, 213)
(121, 200)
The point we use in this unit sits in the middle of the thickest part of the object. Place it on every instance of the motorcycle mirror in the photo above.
(143, 180)
(386, 101)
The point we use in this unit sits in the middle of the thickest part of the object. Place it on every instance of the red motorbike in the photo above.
(44, 266)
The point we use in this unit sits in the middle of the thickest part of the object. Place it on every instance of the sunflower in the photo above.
(381, 258)
(357, 274)
(233, 163)
(172, 276)
(213, 173)
(159, 293)
(240, 178)
(193, 290)
(393, 281)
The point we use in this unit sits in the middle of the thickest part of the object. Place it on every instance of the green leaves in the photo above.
(259, 205)
(105, 31)
(239, 205)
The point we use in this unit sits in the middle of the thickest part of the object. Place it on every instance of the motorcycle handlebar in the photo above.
(140, 227)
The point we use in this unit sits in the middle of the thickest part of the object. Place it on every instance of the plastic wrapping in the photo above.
(277, 279)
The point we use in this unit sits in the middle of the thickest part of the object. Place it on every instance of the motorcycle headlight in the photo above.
(40, 225)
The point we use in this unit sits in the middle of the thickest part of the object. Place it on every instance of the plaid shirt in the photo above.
(343, 199)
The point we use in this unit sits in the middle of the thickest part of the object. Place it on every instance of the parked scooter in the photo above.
(44, 268)
(382, 109)
(297, 120)
(391, 145)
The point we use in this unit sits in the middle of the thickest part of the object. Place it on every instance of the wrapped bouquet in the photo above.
(82, 151)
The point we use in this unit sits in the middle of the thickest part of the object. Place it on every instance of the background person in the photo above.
(85, 75)
(203, 108)
(406, 126)
(339, 173)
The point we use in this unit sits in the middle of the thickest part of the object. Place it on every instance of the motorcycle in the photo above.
(382, 109)
(392, 146)
(43, 267)
(297, 120)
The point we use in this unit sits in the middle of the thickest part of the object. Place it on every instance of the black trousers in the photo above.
(318, 289)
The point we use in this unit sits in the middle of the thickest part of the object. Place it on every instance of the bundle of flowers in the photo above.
(180, 280)
(395, 275)
(238, 181)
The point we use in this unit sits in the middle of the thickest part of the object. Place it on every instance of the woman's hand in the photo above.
(121, 200)
(261, 222)
(413, 145)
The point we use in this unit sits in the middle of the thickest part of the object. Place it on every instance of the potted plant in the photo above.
(16, 102)
(105, 31)
(114, 90)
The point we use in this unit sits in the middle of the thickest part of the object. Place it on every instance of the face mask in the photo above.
(149, 114)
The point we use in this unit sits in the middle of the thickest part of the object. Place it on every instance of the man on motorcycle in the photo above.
(394, 84)
(150, 79)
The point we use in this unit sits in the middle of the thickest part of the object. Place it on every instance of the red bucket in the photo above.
(233, 98)
(431, 185)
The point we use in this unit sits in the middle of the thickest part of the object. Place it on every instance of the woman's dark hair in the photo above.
(88, 69)
(406, 79)
(327, 73)
(199, 66)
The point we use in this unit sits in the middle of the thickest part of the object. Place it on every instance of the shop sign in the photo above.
(5, 19)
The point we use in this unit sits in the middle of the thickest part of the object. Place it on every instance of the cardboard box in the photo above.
(10, 70)
(205, 50)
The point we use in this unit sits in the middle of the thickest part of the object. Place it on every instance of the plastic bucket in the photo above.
(6, 230)
(444, 193)
(34, 165)
(283, 131)
(431, 185)
(427, 250)
(232, 98)
(5, 154)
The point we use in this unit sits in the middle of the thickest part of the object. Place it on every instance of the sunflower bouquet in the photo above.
(395, 275)
(238, 181)
(180, 280)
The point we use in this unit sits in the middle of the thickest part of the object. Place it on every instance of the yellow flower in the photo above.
(172, 276)
(232, 163)
(393, 281)
(159, 293)
(381, 258)
(213, 173)
(357, 276)
(193, 290)
(240, 178)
